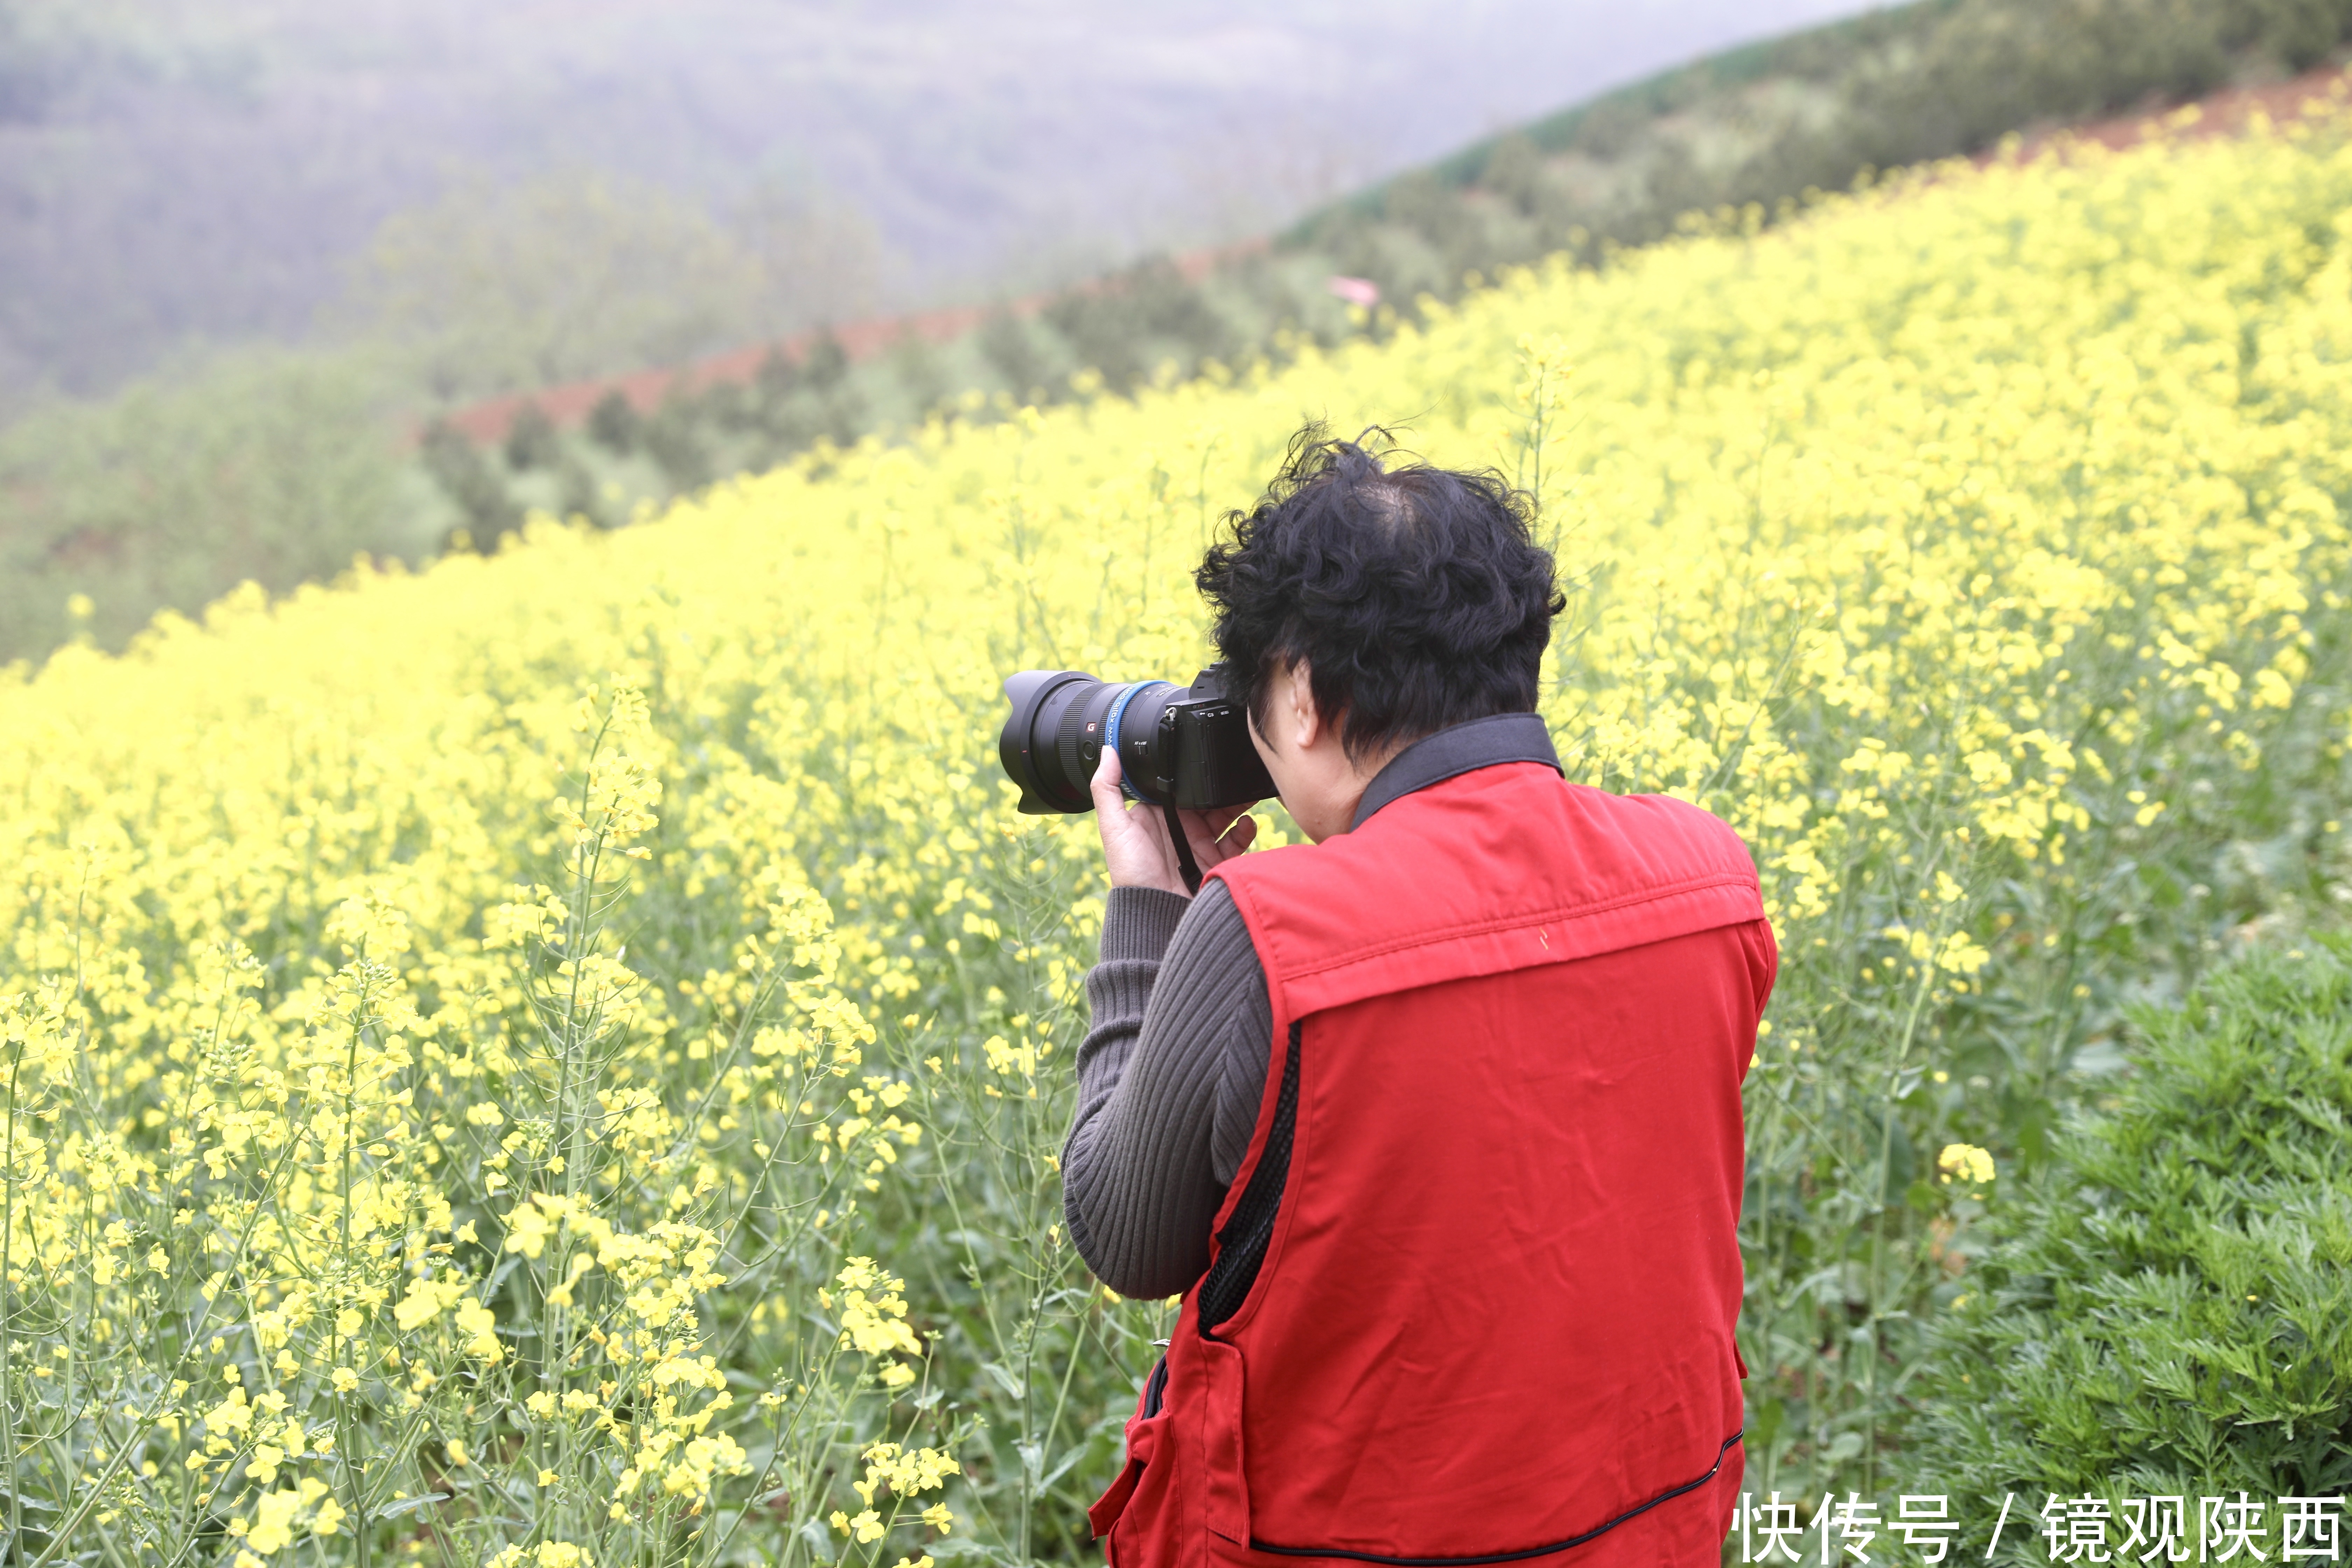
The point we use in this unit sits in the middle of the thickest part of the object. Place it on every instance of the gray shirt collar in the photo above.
(1449, 753)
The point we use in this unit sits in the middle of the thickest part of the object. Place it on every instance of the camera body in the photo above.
(1211, 760)
(1188, 747)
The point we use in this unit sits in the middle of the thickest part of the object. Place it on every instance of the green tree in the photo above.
(489, 509)
(820, 258)
(273, 467)
(1016, 349)
(531, 441)
(494, 288)
(614, 423)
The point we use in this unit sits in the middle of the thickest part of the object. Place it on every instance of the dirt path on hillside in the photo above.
(2228, 112)
(569, 406)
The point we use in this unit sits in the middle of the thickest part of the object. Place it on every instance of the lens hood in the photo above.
(1027, 744)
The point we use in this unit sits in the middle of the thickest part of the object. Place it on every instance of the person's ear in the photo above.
(1306, 723)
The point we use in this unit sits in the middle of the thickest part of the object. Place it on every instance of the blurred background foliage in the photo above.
(279, 466)
(269, 464)
(493, 287)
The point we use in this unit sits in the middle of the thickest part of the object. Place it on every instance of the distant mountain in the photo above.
(174, 172)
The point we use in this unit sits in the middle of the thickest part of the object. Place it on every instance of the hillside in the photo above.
(190, 172)
(1767, 121)
(279, 468)
(1764, 124)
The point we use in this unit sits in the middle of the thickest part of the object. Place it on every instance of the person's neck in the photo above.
(1336, 809)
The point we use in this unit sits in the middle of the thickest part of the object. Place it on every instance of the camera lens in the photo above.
(1061, 720)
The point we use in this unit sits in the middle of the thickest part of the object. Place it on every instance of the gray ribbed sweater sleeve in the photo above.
(1168, 1082)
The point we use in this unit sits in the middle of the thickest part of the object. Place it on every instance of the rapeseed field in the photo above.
(558, 1058)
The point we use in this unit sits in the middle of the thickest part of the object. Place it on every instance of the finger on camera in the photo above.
(1104, 785)
(1224, 817)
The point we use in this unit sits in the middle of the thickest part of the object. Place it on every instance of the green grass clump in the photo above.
(2169, 1313)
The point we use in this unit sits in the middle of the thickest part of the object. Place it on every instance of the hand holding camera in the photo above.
(1074, 744)
(1135, 844)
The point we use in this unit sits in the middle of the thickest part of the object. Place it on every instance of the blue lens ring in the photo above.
(1111, 728)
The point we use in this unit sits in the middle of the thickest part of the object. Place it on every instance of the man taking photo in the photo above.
(1435, 1122)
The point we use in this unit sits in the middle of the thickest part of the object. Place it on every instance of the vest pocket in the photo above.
(1103, 1517)
(1224, 1481)
(1144, 1431)
(1136, 1520)
(1140, 1531)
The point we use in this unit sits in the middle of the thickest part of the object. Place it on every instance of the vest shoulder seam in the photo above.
(1564, 913)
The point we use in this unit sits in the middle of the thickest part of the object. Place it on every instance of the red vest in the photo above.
(1473, 1288)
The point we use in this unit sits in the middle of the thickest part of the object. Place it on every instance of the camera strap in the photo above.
(1184, 861)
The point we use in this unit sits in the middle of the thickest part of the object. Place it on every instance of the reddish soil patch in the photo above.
(569, 405)
(2228, 112)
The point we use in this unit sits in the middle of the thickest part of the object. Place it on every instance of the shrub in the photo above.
(614, 424)
(2171, 1313)
(532, 440)
(263, 465)
(1012, 349)
(674, 438)
(466, 478)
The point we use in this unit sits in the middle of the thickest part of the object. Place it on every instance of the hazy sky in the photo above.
(206, 168)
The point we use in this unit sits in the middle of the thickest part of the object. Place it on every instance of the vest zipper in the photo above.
(1155, 1389)
(1599, 1530)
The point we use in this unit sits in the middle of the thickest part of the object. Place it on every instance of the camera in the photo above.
(1183, 746)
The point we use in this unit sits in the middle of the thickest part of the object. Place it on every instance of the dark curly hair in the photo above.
(1417, 595)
